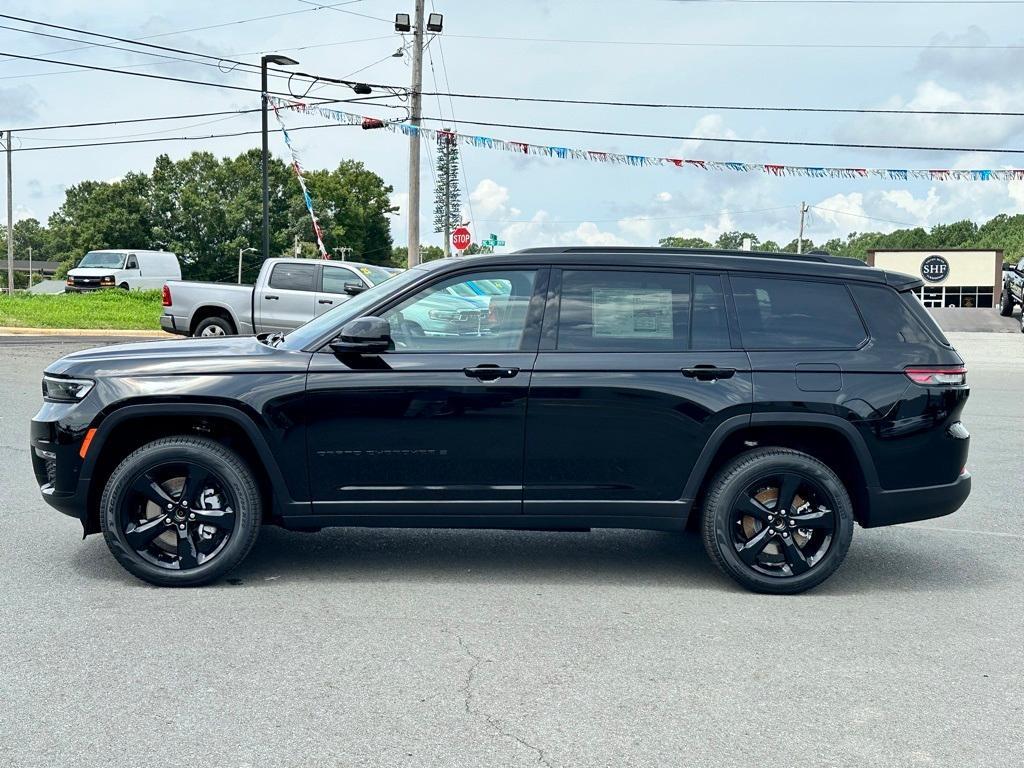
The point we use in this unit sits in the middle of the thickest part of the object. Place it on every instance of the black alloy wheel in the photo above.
(181, 511)
(777, 520)
(177, 515)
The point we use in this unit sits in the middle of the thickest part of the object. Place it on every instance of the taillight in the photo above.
(165, 298)
(942, 376)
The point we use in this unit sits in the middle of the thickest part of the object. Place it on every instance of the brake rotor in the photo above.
(769, 498)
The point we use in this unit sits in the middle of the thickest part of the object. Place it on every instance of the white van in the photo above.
(127, 269)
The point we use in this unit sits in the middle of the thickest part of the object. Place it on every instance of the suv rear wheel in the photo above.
(777, 520)
(181, 511)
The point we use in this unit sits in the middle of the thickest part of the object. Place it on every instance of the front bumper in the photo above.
(57, 467)
(910, 504)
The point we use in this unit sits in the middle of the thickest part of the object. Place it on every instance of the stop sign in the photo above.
(461, 238)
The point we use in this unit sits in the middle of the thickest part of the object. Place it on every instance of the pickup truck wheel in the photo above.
(180, 511)
(1006, 303)
(214, 326)
(777, 521)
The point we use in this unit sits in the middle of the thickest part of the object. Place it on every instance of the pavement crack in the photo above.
(466, 689)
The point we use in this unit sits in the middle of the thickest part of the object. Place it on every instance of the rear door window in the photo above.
(796, 314)
(608, 311)
(293, 277)
(710, 323)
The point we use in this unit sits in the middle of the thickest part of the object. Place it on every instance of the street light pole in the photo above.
(240, 252)
(264, 60)
(415, 112)
(10, 220)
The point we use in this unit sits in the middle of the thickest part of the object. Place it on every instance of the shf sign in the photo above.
(492, 241)
(461, 239)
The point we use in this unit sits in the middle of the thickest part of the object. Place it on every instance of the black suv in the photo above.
(771, 400)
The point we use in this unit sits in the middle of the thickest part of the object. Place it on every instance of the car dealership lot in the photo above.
(450, 648)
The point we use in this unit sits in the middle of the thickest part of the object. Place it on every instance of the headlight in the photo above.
(65, 390)
(109, 280)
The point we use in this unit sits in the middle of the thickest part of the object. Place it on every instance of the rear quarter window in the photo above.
(891, 318)
(778, 313)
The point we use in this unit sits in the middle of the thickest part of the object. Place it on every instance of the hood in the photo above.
(92, 271)
(209, 356)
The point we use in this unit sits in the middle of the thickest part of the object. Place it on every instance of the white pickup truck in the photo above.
(288, 293)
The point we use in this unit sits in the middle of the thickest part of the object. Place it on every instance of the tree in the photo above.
(684, 242)
(447, 205)
(99, 214)
(400, 254)
(733, 241)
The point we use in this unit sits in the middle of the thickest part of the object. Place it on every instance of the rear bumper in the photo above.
(910, 504)
(173, 324)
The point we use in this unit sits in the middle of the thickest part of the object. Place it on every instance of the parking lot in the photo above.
(478, 648)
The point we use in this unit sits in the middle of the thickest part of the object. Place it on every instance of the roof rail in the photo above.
(814, 256)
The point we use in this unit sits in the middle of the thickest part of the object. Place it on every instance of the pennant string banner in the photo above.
(593, 156)
(297, 167)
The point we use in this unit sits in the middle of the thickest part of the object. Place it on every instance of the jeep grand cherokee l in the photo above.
(771, 400)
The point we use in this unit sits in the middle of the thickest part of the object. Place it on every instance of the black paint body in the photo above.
(571, 440)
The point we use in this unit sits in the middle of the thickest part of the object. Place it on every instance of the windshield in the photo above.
(102, 260)
(374, 274)
(306, 334)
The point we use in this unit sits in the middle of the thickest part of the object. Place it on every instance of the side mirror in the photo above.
(353, 288)
(363, 336)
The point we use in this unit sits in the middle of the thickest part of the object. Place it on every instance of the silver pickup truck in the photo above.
(288, 293)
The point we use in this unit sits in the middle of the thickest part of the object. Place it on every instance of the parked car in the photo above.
(288, 292)
(1013, 290)
(127, 269)
(772, 400)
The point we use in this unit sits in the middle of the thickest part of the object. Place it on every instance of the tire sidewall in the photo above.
(226, 465)
(217, 321)
(735, 479)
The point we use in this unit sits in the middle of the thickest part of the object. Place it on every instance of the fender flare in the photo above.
(207, 305)
(820, 420)
(283, 502)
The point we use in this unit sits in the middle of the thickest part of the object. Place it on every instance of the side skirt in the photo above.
(496, 522)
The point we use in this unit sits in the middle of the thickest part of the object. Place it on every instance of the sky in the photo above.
(956, 56)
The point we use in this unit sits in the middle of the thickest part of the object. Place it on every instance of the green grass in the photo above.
(111, 308)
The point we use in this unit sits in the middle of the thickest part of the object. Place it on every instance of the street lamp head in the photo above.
(434, 22)
(399, 53)
(403, 22)
(277, 58)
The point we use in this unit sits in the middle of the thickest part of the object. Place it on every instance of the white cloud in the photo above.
(489, 198)
(663, 197)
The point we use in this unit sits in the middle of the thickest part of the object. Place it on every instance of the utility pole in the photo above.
(800, 238)
(30, 266)
(10, 220)
(415, 113)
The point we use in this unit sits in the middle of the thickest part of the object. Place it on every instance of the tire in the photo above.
(1022, 321)
(214, 326)
(1005, 303)
(738, 516)
(123, 286)
(206, 491)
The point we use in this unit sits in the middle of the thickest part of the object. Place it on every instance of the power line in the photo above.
(728, 107)
(710, 44)
(772, 142)
(172, 138)
(860, 216)
(859, 2)
(211, 26)
(318, 6)
(704, 215)
(148, 75)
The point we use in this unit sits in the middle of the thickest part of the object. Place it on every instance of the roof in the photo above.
(808, 264)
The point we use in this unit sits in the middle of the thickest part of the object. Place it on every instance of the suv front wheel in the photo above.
(181, 511)
(777, 520)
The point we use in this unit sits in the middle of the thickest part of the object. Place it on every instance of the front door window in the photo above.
(482, 312)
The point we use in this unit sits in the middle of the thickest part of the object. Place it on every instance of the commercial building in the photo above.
(952, 278)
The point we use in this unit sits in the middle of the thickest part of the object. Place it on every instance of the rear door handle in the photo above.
(271, 298)
(325, 301)
(490, 372)
(708, 373)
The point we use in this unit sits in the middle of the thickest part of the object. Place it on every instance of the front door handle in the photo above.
(708, 373)
(271, 298)
(490, 372)
(325, 301)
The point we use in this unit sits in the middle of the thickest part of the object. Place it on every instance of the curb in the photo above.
(14, 331)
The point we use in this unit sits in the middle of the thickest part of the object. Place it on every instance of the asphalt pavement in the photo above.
(489, 648)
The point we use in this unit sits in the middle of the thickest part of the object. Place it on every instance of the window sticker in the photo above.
(632, 313)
